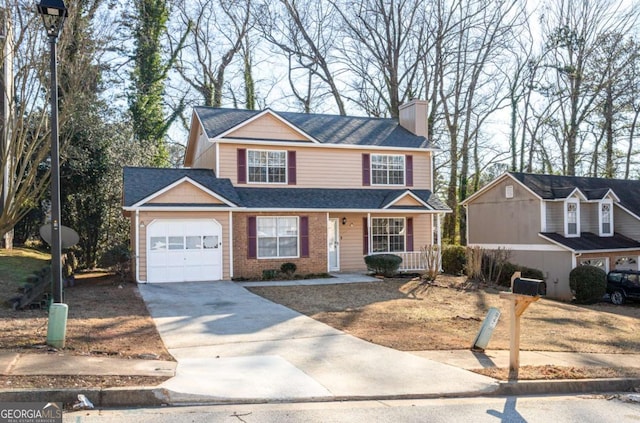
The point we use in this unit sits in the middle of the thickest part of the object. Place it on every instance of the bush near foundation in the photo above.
(588, 283)
(383, 264)
(454, 259)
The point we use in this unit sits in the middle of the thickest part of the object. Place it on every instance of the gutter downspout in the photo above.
(230, 245)
(137, 247)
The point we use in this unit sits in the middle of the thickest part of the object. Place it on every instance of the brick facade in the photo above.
(244, 267)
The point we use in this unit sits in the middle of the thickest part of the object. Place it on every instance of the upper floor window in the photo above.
(572, 218)
(267, 166)
(606, 218)
(388, 234)
(387, 169)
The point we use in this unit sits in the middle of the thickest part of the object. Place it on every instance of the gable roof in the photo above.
(326, 129)
(553, 187)
(142, 183)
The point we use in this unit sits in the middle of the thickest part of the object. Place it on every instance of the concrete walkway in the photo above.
(233, 345)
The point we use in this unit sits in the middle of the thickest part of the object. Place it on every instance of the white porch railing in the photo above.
(411, 260)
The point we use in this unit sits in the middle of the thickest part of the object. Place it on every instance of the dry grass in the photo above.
(106, 317)
(405, 315)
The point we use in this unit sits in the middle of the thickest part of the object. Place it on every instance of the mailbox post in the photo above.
(523, 292)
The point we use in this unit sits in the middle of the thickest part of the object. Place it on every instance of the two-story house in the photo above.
(555, 223)
(262, 188)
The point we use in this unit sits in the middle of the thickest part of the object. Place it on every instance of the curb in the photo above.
(565, 386)
(143, 396)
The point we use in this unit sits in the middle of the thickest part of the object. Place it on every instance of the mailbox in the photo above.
(531, 287)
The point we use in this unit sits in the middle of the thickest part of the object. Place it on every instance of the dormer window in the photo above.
(606, 218)
(572, 218)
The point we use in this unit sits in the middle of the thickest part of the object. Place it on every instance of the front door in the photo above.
(333, 239)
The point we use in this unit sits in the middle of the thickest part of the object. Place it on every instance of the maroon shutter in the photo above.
(409, 234)
(291, 165)
(365, 236)
(366, 170)
(242, 166)
(252, 237)
(409, 170)
(304, 236)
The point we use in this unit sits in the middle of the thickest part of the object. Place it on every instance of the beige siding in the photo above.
(326, 167)
(352, 237)
(555, 216)
(625, 223)
(205, 154)
(147, 217)
(407, 200)
(494, 219)
(556, 266)
(589, 217)
(185, 193)
(268, 127)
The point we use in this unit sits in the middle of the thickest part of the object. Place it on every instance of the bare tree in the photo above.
(383, 48)
(468, 89)
(217, 30)
(304, 31)
(573, 31)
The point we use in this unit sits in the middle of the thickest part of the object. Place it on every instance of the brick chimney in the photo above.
(413, 117)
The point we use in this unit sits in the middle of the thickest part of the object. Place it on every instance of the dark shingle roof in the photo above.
(550, 187)
(321, 198)
(326, 129)
(141, 182)
(588, 241)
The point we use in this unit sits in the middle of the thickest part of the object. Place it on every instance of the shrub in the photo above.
(288, 269)
(588, 283)
(508, 269)
(269, 274)
(383, 264)
(454, 259)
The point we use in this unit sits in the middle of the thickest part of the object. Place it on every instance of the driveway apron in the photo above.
(231, 344)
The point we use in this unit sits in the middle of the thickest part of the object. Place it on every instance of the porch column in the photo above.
(230, 245)
(369, 233)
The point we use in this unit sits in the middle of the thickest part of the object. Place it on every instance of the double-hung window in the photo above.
(269, 167)
(387, 169)
(606, 218)
(277, 237)
(572, 218)
(388, 234)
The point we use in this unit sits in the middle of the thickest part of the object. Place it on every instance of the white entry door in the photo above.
(184, 250)
(333, 240)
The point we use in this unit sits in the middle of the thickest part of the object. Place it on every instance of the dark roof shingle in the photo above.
(588, 241)
(551, 187)
(326, 129)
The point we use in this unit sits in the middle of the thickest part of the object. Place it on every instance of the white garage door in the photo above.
(184, 250)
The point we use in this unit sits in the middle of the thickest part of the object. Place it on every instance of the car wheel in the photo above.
(617, 297)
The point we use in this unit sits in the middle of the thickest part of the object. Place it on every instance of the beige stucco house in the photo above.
(555, 223)
(261, 188)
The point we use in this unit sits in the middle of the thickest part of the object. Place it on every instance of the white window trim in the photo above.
(600, 218)
(404, 170)
(277, 257)
(372, 235)
(566, 218)
(286, 168)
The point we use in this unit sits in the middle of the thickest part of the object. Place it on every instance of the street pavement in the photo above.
(233, 346)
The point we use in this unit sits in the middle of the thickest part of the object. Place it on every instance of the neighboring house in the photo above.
(262, 188)
(555, 223)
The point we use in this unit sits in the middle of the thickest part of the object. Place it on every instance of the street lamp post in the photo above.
(53, 14)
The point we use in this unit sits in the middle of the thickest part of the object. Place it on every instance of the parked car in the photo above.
(623, 285)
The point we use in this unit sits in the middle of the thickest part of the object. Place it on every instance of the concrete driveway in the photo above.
(231, 344)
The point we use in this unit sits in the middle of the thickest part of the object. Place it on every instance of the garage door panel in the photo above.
(181, 251)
